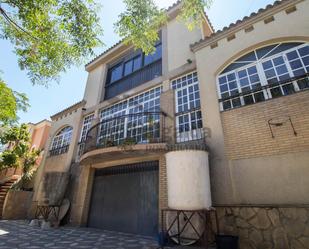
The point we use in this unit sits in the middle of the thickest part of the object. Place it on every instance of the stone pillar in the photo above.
(81, 196)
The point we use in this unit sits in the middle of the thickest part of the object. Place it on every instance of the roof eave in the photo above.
(246, 21)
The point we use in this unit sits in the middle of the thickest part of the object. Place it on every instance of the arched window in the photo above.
(268, 72)
(62, 139)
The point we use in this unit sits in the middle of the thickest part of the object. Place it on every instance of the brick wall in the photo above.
(247, 133)
(163, 202)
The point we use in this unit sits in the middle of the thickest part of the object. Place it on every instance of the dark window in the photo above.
(137, 63)
(154, 56)
(116, 73)
(128, 67)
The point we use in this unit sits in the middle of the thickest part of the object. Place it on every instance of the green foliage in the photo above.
(139, 24)
(50, 36)
(192, 12)
(18, 152)
(10, 103)
(142, 19)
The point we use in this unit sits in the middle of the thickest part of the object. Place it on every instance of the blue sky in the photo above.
(47, 101)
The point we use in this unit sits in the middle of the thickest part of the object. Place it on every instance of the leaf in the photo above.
(140, 23)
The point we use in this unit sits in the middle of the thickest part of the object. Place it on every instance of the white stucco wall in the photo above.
(94, 86)
(188, 180)
(179, 39)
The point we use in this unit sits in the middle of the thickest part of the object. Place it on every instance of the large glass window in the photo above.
(264, 73)
(135, 127)
(127, 67)
(63, 138)
(86, 126)
(116, 73)
(188, 114)
(154, 56)
(137, 62)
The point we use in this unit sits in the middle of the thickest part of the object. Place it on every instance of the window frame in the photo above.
(124, 60)
(263, 78)
(61, 138)
(86, 127)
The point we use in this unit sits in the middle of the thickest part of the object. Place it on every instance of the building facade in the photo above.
(240, 94)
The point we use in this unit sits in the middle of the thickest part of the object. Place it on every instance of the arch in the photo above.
(62, 138)
(270, 69)
(261, 45)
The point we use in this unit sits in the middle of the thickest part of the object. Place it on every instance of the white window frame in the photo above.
(61, 140)
(87, 121)
(192, 134)
(129, 109)
(261, 73)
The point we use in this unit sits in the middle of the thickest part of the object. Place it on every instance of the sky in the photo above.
(70, 89)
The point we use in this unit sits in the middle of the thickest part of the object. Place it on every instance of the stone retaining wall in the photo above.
(266, 228)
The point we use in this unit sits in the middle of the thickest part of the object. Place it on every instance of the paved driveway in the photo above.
(18, 234)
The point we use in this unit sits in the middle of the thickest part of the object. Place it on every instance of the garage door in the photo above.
(125, 199)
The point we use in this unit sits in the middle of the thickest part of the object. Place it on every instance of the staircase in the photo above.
(4, 188)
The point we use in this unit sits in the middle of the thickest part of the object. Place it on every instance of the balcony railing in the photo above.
(59, 151)
(126, 130)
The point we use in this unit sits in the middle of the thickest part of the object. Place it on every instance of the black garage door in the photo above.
(125, 199)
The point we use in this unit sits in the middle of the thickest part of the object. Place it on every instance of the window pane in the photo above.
(244, 82)
(254, 78)
(242, 73)
(128, 67)
(248, 99)
(226, 105)
(267, 65)
(259, 97)
(281, 70)
(222, 80)
(236, 102)
(303, 83)
(278, 61)
(304, 51)
(292, 55)
(270, 73)
(137, 63)
(288, 89)
(306, 61)
(116, 73)
(232, 85)
(154, 56)
(231, 77)
(296, 64)
(299, 72)
(276, 92)
(223, 88)
(252, 70)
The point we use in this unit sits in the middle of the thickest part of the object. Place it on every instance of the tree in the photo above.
(10, 103)
(140, 22)
(50, 36)
(18, 152)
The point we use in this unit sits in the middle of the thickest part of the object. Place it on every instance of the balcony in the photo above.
(137, 135)
(125, 136)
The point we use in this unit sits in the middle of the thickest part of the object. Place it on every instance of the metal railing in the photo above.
(59, 151)
(302, 82)
(126, 130)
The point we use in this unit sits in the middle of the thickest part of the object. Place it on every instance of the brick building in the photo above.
(240, 95)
